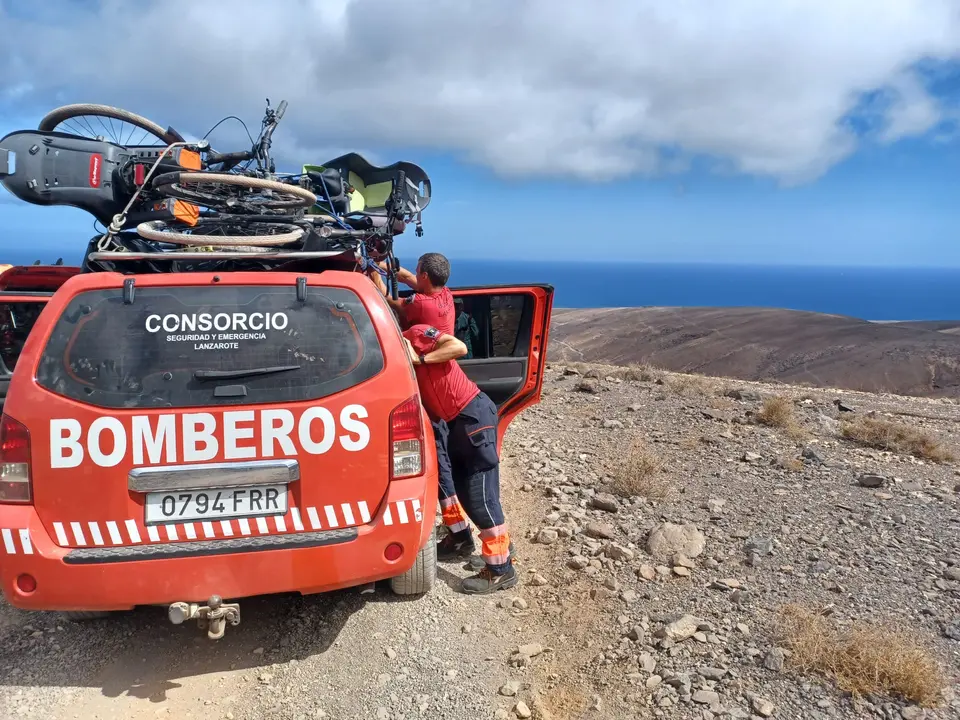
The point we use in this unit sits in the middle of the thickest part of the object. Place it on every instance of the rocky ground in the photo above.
(663, 604)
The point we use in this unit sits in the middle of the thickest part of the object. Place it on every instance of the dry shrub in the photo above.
(690, 385)
(640, 473)
(641, 373)
(903, 439)
(778, 412)
(863, 659)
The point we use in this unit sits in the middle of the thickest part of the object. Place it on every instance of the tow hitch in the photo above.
(212, 617)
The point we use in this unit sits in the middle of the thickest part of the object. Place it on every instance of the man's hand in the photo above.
(411, 353)
(377, 280)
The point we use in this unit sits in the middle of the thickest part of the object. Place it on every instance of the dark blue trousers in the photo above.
(475, 465)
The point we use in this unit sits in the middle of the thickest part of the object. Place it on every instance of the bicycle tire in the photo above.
(172, 185)
(61, 114)
(179, 234)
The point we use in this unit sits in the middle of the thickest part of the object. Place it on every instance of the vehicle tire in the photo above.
(84, 615)
(214, 232)
(85, 128)
(421, 578)
(233, 193)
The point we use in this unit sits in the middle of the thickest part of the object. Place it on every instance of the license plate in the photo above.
(184, 505)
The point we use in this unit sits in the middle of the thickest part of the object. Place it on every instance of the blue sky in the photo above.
(812, 133)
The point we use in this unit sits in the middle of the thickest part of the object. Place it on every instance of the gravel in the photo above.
(627, 606)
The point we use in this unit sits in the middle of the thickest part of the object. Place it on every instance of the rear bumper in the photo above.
(122, 577)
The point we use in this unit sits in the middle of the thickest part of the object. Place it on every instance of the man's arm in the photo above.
(404, 276)
(407, 278)
(446, 348)
(382, 287)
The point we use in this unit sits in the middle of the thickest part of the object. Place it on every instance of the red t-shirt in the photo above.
(444, 388)
(435, 310)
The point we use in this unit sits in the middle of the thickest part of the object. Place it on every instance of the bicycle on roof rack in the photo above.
(107, 161)
(184, 198)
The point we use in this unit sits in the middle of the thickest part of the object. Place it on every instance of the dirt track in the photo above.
(340, 655)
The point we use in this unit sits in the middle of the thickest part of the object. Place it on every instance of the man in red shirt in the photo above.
(450, 396)
(432, 304)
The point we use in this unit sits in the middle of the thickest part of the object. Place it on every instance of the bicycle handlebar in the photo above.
(260, 151)
(230, 159)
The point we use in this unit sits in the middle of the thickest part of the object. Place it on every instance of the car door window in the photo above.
(492, 326)
(16, 320)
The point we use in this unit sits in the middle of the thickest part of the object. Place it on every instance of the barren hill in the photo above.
(915, 358)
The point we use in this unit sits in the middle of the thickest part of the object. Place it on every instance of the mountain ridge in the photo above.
(913, 358)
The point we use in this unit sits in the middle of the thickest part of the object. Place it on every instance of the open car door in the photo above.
(505, 328)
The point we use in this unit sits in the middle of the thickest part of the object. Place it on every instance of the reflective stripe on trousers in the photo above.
(453, 516)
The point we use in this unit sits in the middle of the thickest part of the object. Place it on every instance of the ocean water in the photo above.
(868, 293)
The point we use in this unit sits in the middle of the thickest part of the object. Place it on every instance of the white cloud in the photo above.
(592, 90)
(912, 111)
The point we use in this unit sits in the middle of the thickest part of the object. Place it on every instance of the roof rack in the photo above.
(113, 256)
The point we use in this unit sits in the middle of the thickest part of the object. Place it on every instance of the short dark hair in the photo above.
(436, 266)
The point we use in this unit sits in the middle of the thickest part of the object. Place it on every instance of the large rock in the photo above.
(604, 501)
(600, 531)
(774, 659)
(680, 629)
(745, 395)
(706, 697)
(588, 386)
(666, 540)
(871, 480)
(547, 536)
(618, 552)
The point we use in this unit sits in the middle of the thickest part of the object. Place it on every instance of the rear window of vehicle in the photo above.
(148, 353)
(16, 320)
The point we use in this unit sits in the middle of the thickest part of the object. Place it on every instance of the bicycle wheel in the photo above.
(233, 193)
(221, 232)
(115, 124)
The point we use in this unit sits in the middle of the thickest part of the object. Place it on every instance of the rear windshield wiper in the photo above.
(227, 374)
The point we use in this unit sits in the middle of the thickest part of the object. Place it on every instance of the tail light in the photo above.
(406, 439)
(139, 174)
(15, 484)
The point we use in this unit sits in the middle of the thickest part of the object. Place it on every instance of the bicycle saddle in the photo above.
(372, 184)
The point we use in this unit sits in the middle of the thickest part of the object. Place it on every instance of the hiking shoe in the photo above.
(485, 582)
(456, 546)
(476, 562)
